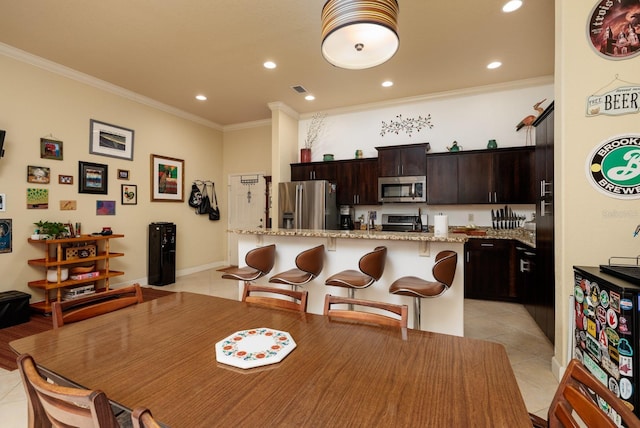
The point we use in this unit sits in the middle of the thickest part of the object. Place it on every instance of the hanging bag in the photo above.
(195, 198)
(205, 205)
(214, 212)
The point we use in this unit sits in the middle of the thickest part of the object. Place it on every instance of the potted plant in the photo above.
(313, 133)
(47, 229)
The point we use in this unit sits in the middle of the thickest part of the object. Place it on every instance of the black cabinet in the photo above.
(406, 160)
(526, 278)
(313, 171)
(357, 182)
(162, 254)
(489, 272)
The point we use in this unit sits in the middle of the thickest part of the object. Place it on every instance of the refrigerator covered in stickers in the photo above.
(605, 335)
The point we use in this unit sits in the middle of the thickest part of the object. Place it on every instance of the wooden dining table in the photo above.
(161, 354)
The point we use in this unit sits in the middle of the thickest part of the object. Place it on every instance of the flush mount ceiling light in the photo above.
(358, 34)
(512, 5)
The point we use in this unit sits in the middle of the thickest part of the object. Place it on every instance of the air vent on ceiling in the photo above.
(299, 89)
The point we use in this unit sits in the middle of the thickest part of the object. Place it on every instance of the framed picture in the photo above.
(110, 140)
(123, 174)
(93, 178)
(167, 179)
(65, 179)
(50, 149)
(105, 207)
(129, 194)
(5, 235)
(37, 199)
(68, 231)
(3, 202)
(38, 174)
(68, 205)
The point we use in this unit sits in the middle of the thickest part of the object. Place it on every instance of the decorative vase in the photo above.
(492, 144)
(305, 155)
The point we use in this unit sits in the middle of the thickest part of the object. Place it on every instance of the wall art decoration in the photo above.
(110, 140)
(613, 167)
(38, 174)
(123, 174)
(50, 149)
(408, 125)
(129, 194)
(37, 199)
(614, 28)
(3, 202)
(6, 232)
(93, 178)
(105, 207)
(616, 101)
(65, 179)
(167, 179)
(66, 205)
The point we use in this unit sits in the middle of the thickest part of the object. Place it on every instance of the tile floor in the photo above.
(507, 323)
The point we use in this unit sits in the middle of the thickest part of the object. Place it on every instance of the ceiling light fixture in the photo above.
(269, 64)
(512, 6)
(309, 97)
(358, 34)
(494, 65)
(387, 83)
(201, 98)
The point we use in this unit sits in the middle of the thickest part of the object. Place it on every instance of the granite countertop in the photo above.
(520, 235)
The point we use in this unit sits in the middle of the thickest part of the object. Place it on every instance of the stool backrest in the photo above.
(372, 263)
(444, 268)
(299, 302)
(311, 260)
(262, 258)
(60, 405)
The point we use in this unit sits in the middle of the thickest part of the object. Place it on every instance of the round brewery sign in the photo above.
(613, 167)
(614, 28)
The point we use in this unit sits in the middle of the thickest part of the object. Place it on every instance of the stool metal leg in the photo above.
(416, 313)
(352, 295)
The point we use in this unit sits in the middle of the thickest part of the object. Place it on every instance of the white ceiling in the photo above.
(171, 50)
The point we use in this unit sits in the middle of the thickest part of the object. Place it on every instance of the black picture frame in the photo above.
(93, 178)
(6, 234)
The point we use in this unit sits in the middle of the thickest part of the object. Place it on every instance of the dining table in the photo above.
(161, 354)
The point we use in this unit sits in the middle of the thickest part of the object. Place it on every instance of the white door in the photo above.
(247, 202)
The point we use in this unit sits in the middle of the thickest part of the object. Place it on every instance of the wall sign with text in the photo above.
(622, 100)
(613, 167)
(614, 28)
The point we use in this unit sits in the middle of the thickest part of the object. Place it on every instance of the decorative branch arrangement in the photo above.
(314, 130)
(408, 125)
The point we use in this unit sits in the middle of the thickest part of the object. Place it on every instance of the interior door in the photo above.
(247, 201)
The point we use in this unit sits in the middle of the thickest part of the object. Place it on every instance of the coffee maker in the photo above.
(346, 217)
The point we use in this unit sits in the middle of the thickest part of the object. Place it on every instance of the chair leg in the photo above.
(416, 313)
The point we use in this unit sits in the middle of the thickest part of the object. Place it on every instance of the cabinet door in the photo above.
(475, 179)
(488, 270)
(442, 179)
(413, 161)
(389, 162)
(313, 171)
(513, 176)
(357, 182)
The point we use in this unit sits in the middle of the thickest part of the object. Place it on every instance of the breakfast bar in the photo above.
(408, 253)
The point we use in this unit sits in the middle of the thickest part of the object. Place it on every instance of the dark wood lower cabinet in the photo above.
(489, 270)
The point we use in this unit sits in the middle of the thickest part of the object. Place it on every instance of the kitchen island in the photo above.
(408, 253)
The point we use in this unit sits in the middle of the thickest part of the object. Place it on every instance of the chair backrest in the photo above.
(141, 417)
(299, 302)
(572, 395)
(311, 260)
(262, 258)
(95, 304)
(372, 263)
(55, 405)
(444, 268)
(401, 312)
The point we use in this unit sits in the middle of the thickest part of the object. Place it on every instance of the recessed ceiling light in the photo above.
(387, 83)
(494, 64)
(512, 5)
(309, 97)
(269, 65)
(201, 98)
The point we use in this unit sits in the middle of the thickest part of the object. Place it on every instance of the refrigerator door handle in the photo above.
(298, 219)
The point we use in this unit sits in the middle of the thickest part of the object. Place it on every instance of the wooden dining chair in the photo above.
(59, 406)
(141, 417)
(69, 311)
(573, 402)
(262, 295)
(398, 319)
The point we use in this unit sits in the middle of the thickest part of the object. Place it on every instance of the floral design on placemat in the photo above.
(230, 345)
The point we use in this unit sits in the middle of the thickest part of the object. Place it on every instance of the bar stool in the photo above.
(444, 269)
(309, 264)
(259, 263)
(371, 267)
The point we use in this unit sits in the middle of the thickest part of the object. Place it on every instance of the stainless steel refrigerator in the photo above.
(307, 205)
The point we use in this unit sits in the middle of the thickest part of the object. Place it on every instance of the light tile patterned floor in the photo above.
(507, 323)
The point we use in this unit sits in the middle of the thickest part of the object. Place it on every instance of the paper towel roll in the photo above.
(440, 225)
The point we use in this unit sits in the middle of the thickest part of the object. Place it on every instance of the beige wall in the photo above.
(590, 227)
(36, 103)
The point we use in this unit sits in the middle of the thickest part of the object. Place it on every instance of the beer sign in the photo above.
(613, 167)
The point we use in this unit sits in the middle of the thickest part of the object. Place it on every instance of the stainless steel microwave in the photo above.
(402, 189)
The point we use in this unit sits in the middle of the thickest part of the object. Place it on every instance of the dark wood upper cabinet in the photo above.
(406, 160)
(313, 171)
(442, 179)
(357, 182)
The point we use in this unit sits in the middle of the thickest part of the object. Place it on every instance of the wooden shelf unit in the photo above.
(58, 261)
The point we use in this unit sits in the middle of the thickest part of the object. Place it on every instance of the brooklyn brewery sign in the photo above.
(614, 167)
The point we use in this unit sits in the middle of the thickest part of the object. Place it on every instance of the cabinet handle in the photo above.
(525, 266)
(546, 188)
(486, 245)
(543, 208)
